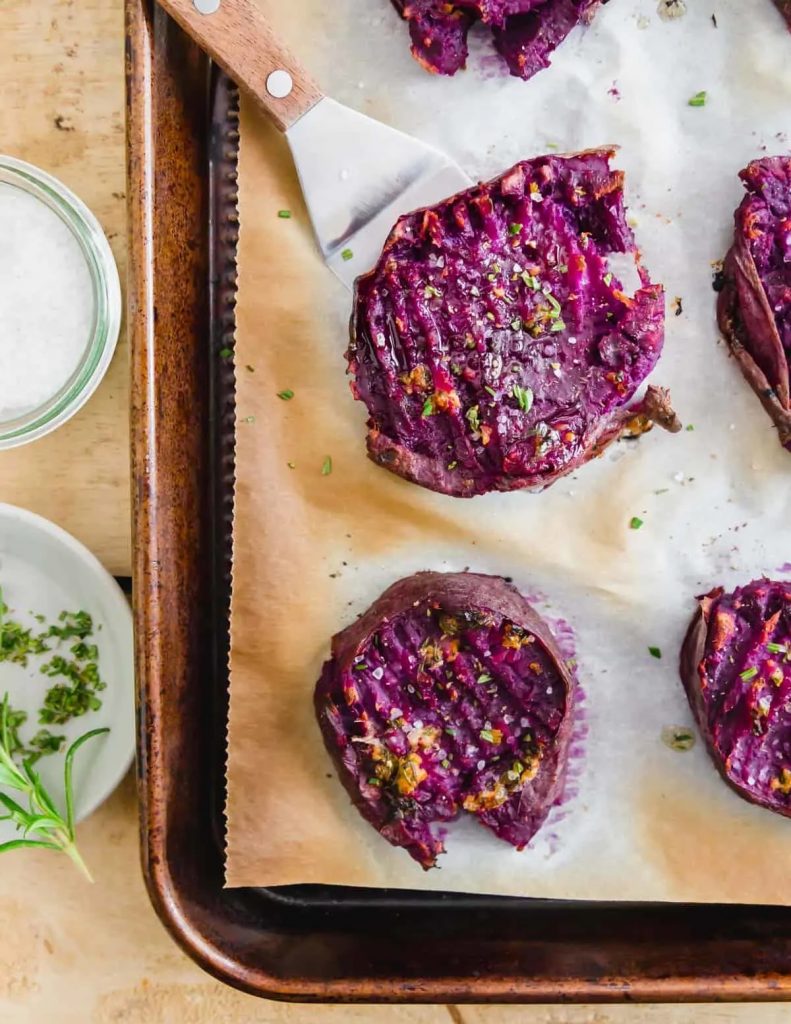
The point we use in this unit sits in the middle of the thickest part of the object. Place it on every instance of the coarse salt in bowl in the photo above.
(60, 303)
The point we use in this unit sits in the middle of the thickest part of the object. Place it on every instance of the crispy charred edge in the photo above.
(455, 592)
(630, 422)
(398, 230)
(693, 678)
(375, 814)
(451, 14)
(691, 657)
(589, 12)
(470, 15)
(739, 263)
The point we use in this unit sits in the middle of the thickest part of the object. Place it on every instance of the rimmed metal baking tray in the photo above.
(308, 943)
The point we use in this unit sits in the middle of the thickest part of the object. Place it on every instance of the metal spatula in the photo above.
(358, 176)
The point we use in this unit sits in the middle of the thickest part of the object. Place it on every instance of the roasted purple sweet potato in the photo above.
(526, 32)
(491, 343)
(736, 669)
(448, 695)
(754, 306)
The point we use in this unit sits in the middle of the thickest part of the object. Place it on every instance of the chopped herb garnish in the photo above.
(484, 677)
(286, 395)
(225, 353)
(516, 324)
(555, 306)
(79, 624)
(430, 291)
(749, 673)
(777, 676)
(699, 99)
(530, 281)
(16, 642)
(777, 648)
(608, 279)
(655, 652)
(284, 214)
(249, 419)
(74, 698)
(373, 781)
(563, 269)
(491, 391)
(487, 735)
(87, 652)
(428, 407)
(472, 418)
(347, 255)
(514, 229)
(558, 325)
(524, 397)
(678, 738)
(326, 466)
(44, 742)
(690, 426)
(64, 700)
(635, 522)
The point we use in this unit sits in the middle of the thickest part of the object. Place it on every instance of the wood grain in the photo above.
(241, 40)
(61, 79)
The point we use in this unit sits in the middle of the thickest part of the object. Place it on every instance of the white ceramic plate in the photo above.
(44, 570)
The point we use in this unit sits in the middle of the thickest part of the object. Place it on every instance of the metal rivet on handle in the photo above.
(279, 84)
(206, 6)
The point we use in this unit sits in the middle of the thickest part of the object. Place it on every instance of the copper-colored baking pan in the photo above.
(309, 942)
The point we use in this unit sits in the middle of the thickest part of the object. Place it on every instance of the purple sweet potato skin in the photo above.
(737, 675)
(491, 344)
(526, 32)
(438, 32)
(754, 306)
(448, 695)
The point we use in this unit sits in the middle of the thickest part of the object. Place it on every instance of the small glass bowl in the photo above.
(103, 334)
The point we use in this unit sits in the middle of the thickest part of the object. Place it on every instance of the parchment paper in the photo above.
(311, 551)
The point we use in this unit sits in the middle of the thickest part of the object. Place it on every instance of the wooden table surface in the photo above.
(95, 956)
(61, 82)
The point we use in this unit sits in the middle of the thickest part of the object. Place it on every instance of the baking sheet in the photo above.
(311, 551)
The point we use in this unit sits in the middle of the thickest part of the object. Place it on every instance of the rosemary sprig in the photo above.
(41, 823)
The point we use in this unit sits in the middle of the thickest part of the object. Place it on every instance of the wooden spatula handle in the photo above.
(239, 38)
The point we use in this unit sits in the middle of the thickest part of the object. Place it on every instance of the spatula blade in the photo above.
(358, 177)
